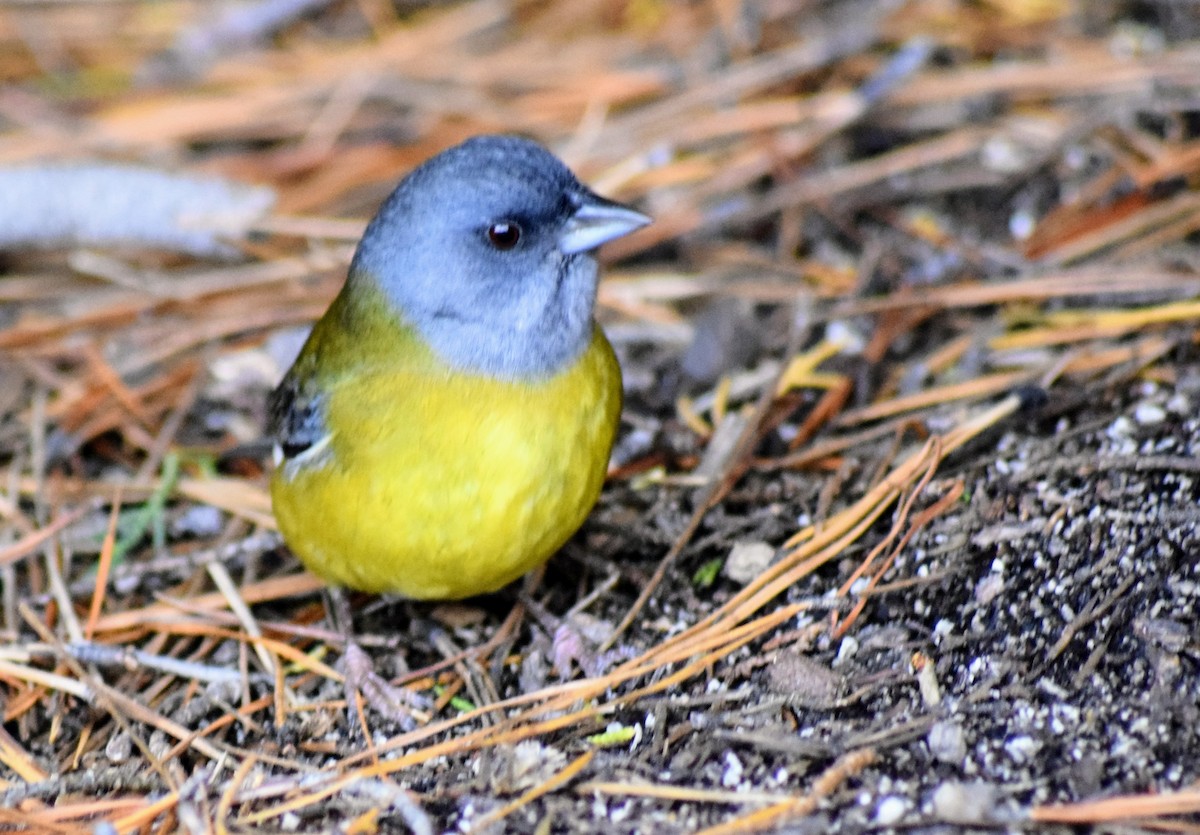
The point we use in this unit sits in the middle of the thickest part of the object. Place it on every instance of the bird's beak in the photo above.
(598, 221)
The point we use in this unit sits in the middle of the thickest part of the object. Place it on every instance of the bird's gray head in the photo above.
(486, 249)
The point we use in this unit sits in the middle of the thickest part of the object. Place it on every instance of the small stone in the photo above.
(965, 803)
(1120, 429)
(942, 630)
(1149, 414)
(731, 778)
(1021, 224)
(200, 520)
(118, 747)
(989, 588)
(747, 560)
(803, 680)
(1021, 749)
(947, 743)
(841, 332)
(846, 650)
(1003, 155)
(160, 744)
(890, 810)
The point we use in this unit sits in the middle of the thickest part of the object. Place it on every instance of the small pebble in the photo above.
(732, 776)
(947, 743)
(965, 803)
(1021, 224)
(1149, 414)
(942, 630)
(987, 589)
(841, 332)
(1005, 156)
(1120, 429)
(1021, 748)
(747, 560)
(200, 520)
(803, 680)
(890, 810)
(846, 650)
(118, 747)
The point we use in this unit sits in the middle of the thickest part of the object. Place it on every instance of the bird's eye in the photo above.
(504, 235)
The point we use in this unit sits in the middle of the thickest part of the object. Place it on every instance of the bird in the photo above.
(448, 423)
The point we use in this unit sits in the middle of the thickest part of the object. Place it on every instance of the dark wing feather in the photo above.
(295, 415)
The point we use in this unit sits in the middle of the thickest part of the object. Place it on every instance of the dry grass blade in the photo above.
(1112, 809)
(31, 542)
(681, 793)
(18, 760)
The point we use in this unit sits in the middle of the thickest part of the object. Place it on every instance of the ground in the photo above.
(900, 529)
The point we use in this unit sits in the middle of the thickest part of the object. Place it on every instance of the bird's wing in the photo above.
(296, 415)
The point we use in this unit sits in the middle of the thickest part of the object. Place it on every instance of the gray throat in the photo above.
(551, 332)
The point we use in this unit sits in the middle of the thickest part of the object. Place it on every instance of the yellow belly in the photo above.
(442, 485)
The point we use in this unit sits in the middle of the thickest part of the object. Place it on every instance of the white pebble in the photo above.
(1021, 748)
(947, 743)
(732, 776)
(846, 650)
(747, 560)
(964, 803)
(890, 810)
(1149, 414)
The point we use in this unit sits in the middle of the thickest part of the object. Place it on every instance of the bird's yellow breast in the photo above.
(438, 484)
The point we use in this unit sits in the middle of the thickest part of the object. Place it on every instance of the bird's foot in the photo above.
(401, 705)
(575, 639)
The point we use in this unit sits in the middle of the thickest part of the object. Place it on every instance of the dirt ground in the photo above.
(900, 532)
